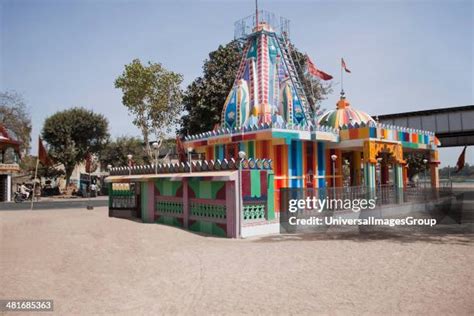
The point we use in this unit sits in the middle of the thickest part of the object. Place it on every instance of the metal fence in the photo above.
(245, 26)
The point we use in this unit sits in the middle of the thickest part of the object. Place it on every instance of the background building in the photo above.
(9, 163)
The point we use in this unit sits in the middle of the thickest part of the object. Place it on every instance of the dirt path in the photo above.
(91, 264)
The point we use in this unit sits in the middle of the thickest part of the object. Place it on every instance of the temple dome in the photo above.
(344, 115)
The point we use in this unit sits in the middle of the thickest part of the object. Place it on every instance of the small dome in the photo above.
(344, 114)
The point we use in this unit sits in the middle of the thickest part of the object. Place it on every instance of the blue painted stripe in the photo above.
(299, 162)
(321, 165)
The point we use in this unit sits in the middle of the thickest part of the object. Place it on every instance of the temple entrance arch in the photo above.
(386, 153)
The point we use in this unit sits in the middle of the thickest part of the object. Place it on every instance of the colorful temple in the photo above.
(266, 115)
(267, 119)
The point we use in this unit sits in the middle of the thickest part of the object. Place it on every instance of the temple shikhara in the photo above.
(270, 138)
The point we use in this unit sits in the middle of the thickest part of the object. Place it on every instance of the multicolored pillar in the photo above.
(399, 176)
(296, 169)
(369, 175)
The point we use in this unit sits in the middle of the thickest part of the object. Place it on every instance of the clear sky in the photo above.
(404, 55)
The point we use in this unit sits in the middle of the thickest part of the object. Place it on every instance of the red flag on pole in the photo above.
(343, 65)
(313, 70)
(43, 154)
(461, 160)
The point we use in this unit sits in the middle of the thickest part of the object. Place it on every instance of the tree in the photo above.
(73, 133)
(466, 172)
(152, 94)
(415, 163)
(28, 164)
(15, 117)
(115, 152)
(315, 89)
(204, 98)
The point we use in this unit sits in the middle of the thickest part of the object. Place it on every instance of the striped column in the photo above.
(399, 182)
(369, 175)
(297, 163)
(398, 175)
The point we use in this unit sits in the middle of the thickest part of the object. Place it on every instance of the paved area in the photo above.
(55, 203)
(91, 264)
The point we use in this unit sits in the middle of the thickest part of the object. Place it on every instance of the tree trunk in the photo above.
(69, 171)
(145, 133)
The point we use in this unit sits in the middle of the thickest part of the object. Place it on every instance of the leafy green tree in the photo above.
(115, 152)
(152, 94)
(15, 117)
(415, 163)
(466, 172)
(73, 133)
(204, 98)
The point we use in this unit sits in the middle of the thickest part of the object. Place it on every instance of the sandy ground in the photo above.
(91, 264)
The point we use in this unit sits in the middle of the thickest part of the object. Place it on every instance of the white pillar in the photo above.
(9, 187)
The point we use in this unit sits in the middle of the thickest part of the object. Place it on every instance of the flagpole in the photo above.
(256, 13)
(342, 80)
(34, 183)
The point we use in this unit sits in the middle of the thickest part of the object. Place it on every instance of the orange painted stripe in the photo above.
(210, 152)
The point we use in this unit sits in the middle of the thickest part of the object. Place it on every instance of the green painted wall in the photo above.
(168, 220)
(167, 187)
(270, 196)
(255, 185)
(205, 189)
(208, 228)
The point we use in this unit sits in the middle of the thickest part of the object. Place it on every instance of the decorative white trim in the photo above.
(260, 230)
